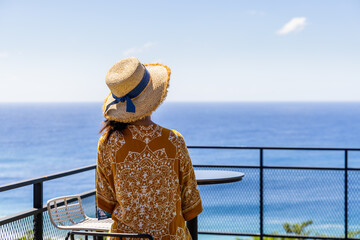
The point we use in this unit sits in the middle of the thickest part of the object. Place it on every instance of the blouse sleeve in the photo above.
(190, 197)
(105, 194)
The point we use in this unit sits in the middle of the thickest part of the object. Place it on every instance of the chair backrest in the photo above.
(65, 211)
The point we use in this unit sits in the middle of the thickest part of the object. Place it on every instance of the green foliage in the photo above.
(28, 235)
(353, 234)
(298, 229)
(265, 238)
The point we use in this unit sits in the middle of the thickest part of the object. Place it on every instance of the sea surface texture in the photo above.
(38, 139)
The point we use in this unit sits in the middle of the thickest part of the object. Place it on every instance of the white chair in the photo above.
(67, 213)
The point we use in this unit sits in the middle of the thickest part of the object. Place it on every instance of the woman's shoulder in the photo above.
(178, 134)
(172, 132)
(175, 137)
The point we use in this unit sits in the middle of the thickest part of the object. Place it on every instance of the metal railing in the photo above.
(261, 168)
(39, 208)
(38, 205)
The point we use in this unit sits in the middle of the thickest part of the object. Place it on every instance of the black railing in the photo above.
(39, 208)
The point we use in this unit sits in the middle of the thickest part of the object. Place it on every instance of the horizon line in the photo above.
(172, 101)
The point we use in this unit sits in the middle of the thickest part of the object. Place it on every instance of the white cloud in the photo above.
(294, 25)
(137, 50)
(4, 55)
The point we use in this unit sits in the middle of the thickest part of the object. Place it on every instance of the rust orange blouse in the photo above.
(145, 178)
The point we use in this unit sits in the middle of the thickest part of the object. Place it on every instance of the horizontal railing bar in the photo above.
(276, 167)
(20, 215)
(10, 186)
(268, 235)
(355, 169)
(224, 166)
(276, 148)
(33, 211)
(87, 193)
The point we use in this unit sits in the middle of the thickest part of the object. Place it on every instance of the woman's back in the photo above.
(146, 180)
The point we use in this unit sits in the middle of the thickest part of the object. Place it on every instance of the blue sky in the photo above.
(60, 51)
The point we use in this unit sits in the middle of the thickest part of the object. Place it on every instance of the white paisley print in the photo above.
(146, 180)
(145, 133)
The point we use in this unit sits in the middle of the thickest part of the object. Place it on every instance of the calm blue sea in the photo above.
(38, 139)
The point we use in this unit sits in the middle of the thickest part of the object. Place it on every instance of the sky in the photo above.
(60, 51)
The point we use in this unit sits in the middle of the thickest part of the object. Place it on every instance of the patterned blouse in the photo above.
(145, 178)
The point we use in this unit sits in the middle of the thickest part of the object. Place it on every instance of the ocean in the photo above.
(38, 139)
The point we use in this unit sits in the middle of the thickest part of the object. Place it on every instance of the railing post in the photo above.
(261, 195)
(346, 194)
(38, 203)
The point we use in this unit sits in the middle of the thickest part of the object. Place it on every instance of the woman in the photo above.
(145, 177)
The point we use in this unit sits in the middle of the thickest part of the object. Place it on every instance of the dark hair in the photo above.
(110, 127)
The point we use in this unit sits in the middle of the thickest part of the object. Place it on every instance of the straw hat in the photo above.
(136, 89)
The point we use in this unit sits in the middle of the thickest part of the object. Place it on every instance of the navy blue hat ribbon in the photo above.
(130, 107)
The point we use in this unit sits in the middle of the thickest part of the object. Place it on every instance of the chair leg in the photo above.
(67, 236)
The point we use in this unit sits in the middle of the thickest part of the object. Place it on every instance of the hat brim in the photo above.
(148, 100)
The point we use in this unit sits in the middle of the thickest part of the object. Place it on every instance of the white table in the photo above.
(206, 177)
